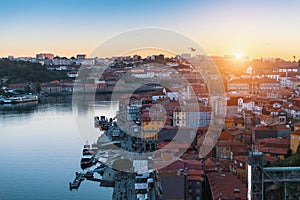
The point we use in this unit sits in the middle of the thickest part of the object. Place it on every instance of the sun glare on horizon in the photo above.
(238, 56)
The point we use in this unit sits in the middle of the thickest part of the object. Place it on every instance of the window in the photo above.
(241, 164)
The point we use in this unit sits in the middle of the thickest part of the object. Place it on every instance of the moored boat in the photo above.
(19, 99)
(26, 98)
(87, 161)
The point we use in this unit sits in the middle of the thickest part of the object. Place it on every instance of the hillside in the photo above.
(20, 71)
(291, 161)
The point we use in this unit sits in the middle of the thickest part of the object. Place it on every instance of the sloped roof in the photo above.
(226, 186)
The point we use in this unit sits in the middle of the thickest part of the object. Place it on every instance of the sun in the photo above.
(238, 55)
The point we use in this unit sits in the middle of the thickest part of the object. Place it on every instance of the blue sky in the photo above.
(254, 28)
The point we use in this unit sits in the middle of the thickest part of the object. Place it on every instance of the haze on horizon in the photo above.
(251, 28)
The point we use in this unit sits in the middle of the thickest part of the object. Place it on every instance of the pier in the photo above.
(76, 183)
(106, 152)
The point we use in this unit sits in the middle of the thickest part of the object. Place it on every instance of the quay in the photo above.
(108, 179)
(129, 186)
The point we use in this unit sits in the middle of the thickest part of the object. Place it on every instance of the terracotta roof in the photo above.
(297, 124)
(226, 186)
(241, 158)
(194, 172)
(293, 107)
(194, 167)
(273, 150)
(270, 159)
(264, 117)
(296, 132)
(296, 99)
(195, 178)
(226, 135)
(239, 150)
(209, 162)
(230, 143)
(158, 94)
(224, 163)
(277, 146)
(273, 141)
(193, 164)
(277, 127)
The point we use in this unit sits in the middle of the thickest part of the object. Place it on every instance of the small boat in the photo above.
(89, 149)
(25, 98)
(20, 99)
(8, 100)
(87, 152)
(87, 161)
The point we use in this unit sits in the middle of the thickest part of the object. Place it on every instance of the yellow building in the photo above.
(240, 167)
(294, 141)
(151, 127)
(229, 122)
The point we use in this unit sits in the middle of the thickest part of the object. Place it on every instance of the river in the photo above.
(41, 148)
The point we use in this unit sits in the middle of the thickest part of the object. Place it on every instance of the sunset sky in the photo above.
(254, 28)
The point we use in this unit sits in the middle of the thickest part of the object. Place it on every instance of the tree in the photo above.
(20, 71)
(27, 89)
(38, 88)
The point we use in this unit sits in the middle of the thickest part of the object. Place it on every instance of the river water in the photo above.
(40, 149)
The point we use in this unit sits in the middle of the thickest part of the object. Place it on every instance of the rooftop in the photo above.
(226, 186)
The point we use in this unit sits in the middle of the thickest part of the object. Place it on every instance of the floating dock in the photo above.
(76, 183)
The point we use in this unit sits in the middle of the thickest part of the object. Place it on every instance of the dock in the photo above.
(76, 183)
(108, 179)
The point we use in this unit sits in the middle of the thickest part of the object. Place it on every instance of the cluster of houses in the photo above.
(262, 115)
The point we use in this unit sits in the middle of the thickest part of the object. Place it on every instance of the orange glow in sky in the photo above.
(253, 28)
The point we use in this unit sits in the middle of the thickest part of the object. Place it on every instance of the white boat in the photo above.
(26, 98)
(20, 99)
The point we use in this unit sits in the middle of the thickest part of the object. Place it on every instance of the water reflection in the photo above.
(28, 107)
(39, 148)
